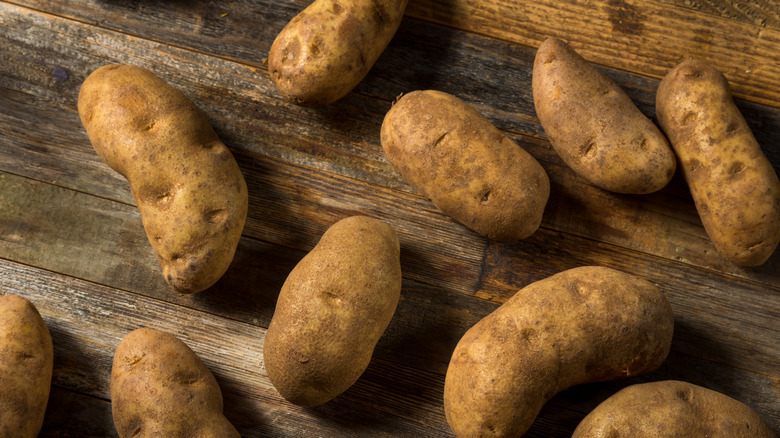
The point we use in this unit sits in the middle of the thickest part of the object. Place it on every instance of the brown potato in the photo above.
(586, 324)
(595, 127)
(332, 310)
(188, 187)
(26, 362)
(160, 388)
(468, 169)
(327, 49)
(671, 409)
(735, 188)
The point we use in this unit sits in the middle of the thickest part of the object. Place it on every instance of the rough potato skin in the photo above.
(189, 189)
(734, 186)
(595, 127)
(671, 409)
(468, 169)
(327, 49)
(585, 324)
(160, 388)
(332, 310)
(26, 361)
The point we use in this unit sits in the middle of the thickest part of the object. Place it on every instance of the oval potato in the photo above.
(586, 324)
(332, 310)
(190, 192)
(468, 169)
(735, 188)
(327, 49)
(595, 127)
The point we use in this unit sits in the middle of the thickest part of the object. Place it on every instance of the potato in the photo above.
(735, 188)
(188, 187)
(327, 49)
(332, 310)
(468, 169)
(26, 361)
(671, 409)
(595, 127)
(159, 387)
(585, 324)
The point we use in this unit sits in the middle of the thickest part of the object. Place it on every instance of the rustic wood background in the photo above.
(72, 242)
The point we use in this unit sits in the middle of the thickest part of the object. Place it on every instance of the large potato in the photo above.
(468, 169)
(595, 127)
(26, 361)
(332, 310)
(586, 324)
(327, 49)
(188, 187)
(671, 409)
(735, 188)
(160, 388)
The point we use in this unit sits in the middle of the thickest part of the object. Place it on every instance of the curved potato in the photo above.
(595, 127)
(332, 310)
(160, 388)
(582, 325)
(671, 409)
(734, 186)
(327, 49)
(468, 169)
(190, 192)
(26, 362)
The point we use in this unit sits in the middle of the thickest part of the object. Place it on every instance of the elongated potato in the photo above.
(468, 169)
(160, 388)
(26, 362)
(188, 187)
(595, 127)
(671, 409)
(586, 324)
(327, 49)
(332, 310)
(735, 188)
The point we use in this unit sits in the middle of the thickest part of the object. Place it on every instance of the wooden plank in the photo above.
(765, 13)
(69, 414)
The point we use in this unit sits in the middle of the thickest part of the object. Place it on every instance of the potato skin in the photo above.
(595, 127)
(671, 409)
(159, 387)
(585, 324)
(327, 49)
(734, 186)
(189, 189)
(332, 310)
(26, 362)
(468, 169)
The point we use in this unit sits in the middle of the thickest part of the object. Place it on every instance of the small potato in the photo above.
(586, 324)
(327, 49)
(26, 361)
(188, 187)
(332, 310)
(160, 388)
(595, 127)
(468, 169)
(734, 186)
(671, 409)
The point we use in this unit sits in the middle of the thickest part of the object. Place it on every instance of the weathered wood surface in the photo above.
(71, 239)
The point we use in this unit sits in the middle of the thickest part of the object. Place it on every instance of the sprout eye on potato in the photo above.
(735, 188)
(160, 388)
(26, 362)
(595, 127)
(332, 310)
(586, 324)
(189, 189)
(671, 409)
(468, 169)
(327, 49)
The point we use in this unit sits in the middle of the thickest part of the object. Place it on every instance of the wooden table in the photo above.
(72, 242)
